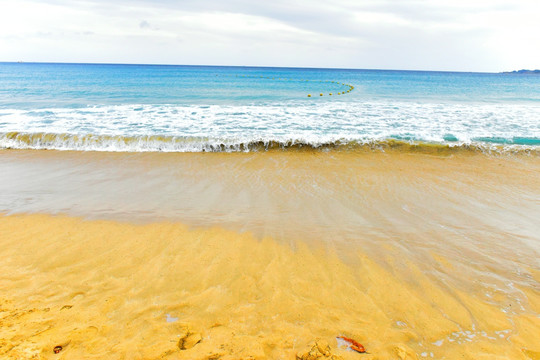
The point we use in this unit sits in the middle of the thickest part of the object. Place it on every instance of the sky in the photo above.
(449, 35)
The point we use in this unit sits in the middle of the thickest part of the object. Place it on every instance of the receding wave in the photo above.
(156, 143)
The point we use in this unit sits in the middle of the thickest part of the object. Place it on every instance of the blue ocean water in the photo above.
(202, 108)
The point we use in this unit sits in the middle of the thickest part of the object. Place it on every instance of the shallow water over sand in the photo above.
(411, 254)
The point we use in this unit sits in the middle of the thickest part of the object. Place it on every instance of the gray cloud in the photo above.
(336, 18)
(350, 33)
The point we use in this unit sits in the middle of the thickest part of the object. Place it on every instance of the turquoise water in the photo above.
(201, 108)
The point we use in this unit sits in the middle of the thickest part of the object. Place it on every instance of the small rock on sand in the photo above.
(320, 350)
(189, 340)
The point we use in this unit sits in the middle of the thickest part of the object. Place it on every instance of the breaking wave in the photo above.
(157, 143)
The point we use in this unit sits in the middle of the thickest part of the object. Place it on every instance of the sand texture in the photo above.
(104, 289)
(269, 255)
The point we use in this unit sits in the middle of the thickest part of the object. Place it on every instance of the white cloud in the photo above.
(470, 35)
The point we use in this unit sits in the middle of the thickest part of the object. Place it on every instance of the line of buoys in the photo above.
(350, 87)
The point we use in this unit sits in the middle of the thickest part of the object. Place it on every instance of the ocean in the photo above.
(203, 212)
(211, 108)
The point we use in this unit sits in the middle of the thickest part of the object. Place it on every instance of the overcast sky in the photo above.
(461, 35)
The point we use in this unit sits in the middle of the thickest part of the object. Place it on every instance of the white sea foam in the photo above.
(306, 123)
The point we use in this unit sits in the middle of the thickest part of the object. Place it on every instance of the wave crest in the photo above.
(157, 143)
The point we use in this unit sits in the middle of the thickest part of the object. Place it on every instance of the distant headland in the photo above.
(523, 72)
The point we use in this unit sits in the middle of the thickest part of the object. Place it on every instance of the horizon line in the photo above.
(250, 66)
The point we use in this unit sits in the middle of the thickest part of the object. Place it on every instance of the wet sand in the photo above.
(258, 255)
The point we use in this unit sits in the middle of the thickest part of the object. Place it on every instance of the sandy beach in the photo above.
(260, 255)
(284, 180)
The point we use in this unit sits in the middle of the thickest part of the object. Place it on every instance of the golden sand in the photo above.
(104, 289)
(260, 255)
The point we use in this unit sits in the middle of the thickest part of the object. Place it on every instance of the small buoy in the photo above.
(330, 94)
(320, 94)
(308, 95)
